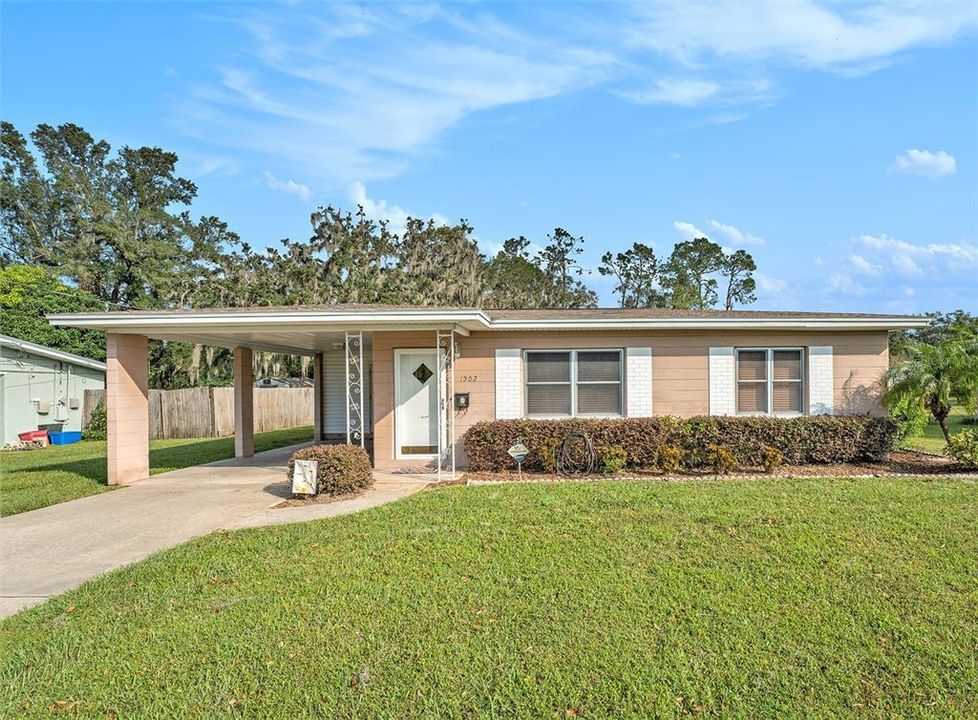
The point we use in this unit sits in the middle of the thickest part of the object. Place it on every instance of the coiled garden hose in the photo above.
(569, 462)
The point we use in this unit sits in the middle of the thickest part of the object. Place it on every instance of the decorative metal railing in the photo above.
(445, 345)
(355, 434)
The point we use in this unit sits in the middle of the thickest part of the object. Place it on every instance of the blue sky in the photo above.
(838, 143)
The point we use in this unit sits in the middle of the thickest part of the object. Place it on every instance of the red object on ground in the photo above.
(32, 435)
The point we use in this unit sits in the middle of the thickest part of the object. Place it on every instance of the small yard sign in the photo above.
(304, 477)
(518, 452)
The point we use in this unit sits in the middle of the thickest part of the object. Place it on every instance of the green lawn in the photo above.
(36, 478)
(932, 439)
(777, 598)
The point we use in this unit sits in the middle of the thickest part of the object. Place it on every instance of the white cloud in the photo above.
(734, 235)
(959, 257)
(395, 215)
(352, 92)
(289, 187)
(901, 276)
(852, 37)
(673, 91)
(688, 231)
(693, 92)
(862, 265)
(925, 162)
(721, 232)
(844, 284)
(769, 284)
(348, 92)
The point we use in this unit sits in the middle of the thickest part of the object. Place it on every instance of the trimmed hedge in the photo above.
(343, 469)
(817, 439)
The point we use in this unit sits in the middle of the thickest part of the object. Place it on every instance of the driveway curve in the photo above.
(48, 551)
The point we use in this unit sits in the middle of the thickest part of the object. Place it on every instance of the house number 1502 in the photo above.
(468, 378)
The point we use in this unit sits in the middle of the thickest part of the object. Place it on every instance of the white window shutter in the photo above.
(723, 383)
(821, 381)
(638, 382)
(509, 384)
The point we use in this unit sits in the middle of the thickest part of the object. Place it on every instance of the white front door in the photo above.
(416, 380)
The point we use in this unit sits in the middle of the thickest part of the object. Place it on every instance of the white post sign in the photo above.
(518, 452)
(304, 477)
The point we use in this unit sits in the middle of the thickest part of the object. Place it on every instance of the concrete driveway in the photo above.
(48, 551)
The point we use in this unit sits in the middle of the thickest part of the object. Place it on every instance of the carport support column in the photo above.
(127, 407)
(244, 408)
(317, 396)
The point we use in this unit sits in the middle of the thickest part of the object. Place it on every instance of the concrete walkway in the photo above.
(48, 551)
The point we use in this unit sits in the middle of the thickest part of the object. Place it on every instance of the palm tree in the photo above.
(936, 376)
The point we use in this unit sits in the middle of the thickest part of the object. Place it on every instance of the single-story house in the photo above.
(409, 381)
(42, 388)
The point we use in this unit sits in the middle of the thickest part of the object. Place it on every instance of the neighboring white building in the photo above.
(41, 387)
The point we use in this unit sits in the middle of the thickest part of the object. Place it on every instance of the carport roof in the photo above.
(313, 328)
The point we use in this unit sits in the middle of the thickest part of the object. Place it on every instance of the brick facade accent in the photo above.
(638, 381)
(723, 386)
(821, 380)
(509, 384)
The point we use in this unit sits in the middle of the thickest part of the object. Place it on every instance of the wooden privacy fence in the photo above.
(209, 412)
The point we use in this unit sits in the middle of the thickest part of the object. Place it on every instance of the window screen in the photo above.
(548, 367)
(573, 382)
(599, 382)
(770, 381)
(548, 383)
(787, 381)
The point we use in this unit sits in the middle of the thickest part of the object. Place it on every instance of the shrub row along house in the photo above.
(409, 382)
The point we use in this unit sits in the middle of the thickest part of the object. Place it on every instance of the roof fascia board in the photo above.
(715, 324)
(446, 319)
(349, 320)
(44, 351)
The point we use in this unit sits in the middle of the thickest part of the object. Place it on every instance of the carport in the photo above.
(338, 338)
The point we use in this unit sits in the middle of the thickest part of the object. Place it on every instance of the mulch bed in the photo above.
(322, 499)
(901, 463)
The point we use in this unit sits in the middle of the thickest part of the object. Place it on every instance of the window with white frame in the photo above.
(770, 381)
(573, 382)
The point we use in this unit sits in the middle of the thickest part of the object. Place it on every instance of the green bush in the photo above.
(772, 459)
(611, 458)
(98, 425)
(670, 458)
(548, 454)
(911, 417)
(964, 448)
(801, 440)
(720, 460)
(343, 469)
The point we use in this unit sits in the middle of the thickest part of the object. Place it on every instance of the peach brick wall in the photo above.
(680, 369)
(127, 408)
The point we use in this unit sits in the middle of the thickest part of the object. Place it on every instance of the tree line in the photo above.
(118, 226)
(86, 228)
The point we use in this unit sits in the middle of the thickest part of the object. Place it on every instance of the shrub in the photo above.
(98, 425)
(343, 469)
(911, 418)
(772, 459)
(669, 458)
(611, 458)
(802, 440)
(548, 454)
(720, 460)
(964, 448)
